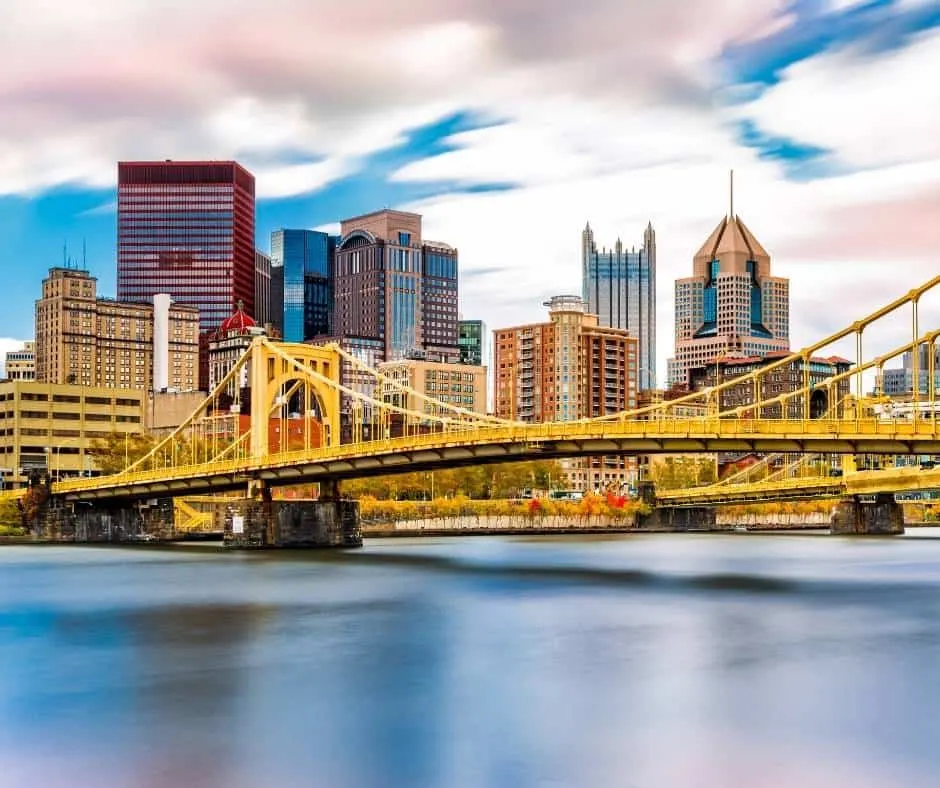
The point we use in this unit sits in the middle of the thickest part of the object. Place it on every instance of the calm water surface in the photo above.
(648, 661)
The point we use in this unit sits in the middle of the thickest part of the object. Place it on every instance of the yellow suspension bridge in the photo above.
(359, 422)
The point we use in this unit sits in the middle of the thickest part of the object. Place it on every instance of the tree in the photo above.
(674, 473)
(507, 480)
(113, 453)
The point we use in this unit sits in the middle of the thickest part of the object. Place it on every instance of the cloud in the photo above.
(83, 87)
(612, 112)
(871, 110)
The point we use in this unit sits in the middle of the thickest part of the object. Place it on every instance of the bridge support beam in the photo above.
(274, 524)
(883, 517)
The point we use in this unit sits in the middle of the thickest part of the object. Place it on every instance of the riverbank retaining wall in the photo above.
(507, 524)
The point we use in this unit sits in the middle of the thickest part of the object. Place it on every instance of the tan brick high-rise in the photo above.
(90, 341)
(731, 304)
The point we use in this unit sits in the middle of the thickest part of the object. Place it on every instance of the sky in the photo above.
(507, 123)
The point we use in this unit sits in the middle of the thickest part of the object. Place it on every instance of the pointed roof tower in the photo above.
(708, 249)
(732, 243)
(753, 244)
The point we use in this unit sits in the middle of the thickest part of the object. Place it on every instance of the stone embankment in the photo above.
(464, 525)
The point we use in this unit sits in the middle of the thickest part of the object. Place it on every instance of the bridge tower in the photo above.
(303, 376)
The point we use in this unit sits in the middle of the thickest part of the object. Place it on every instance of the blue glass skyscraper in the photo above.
(301, 290)
(619, 286)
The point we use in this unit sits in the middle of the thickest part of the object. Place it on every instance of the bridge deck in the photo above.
(501, 444)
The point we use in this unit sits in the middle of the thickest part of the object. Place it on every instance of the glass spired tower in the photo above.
(619, 286)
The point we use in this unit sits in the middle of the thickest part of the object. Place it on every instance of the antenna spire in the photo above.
(731, 193)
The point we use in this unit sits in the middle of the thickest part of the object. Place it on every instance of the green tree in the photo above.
(113, 453)
(507, 480)
(674, 473)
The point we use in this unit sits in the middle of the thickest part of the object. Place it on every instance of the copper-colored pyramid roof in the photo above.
(730, 237)
(709, 247)
(733, 240)
(753, 244)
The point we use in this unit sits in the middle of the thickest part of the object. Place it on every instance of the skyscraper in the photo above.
(471, 338)
(567, 369)
(301, 290)
(392, 287)
(731, 305)
(619, 286)
(187, 229)
(262, 288)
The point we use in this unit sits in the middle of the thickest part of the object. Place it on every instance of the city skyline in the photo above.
(781, 93)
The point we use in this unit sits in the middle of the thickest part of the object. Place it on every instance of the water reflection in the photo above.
(654, 661)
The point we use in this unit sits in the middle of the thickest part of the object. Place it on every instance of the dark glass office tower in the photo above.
(301, 289)
(471, 338)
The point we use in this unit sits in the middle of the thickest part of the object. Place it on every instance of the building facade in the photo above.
(53, 426)
(471, 341)
(187, 229)
(731, 305)
(459, 385)
(21, 364)
(896, 382)
(788, 378)
(263, 310)
(90, 341)
(619, 286)
(227, 347)
(302, 293)
(566, 369)
(393, 287)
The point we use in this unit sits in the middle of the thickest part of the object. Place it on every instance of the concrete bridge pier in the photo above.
(671, 518)
(882, 517)
(118, 521)
(268, 523)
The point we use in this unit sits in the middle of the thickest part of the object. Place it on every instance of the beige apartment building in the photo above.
(21, 364)
(91, 341)
(567, 369)
(459, 385)
(52, 426)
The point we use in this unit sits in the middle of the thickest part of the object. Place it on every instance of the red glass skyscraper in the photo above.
(187, 229)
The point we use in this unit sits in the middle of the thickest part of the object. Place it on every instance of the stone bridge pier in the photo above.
(881, 517)
(330, 521)
(673, 518)
(111, 521)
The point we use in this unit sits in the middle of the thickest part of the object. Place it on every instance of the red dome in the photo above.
(237, 322)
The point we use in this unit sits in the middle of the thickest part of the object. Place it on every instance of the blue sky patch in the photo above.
(875, 26)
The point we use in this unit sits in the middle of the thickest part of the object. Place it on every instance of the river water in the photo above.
(648, 661)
